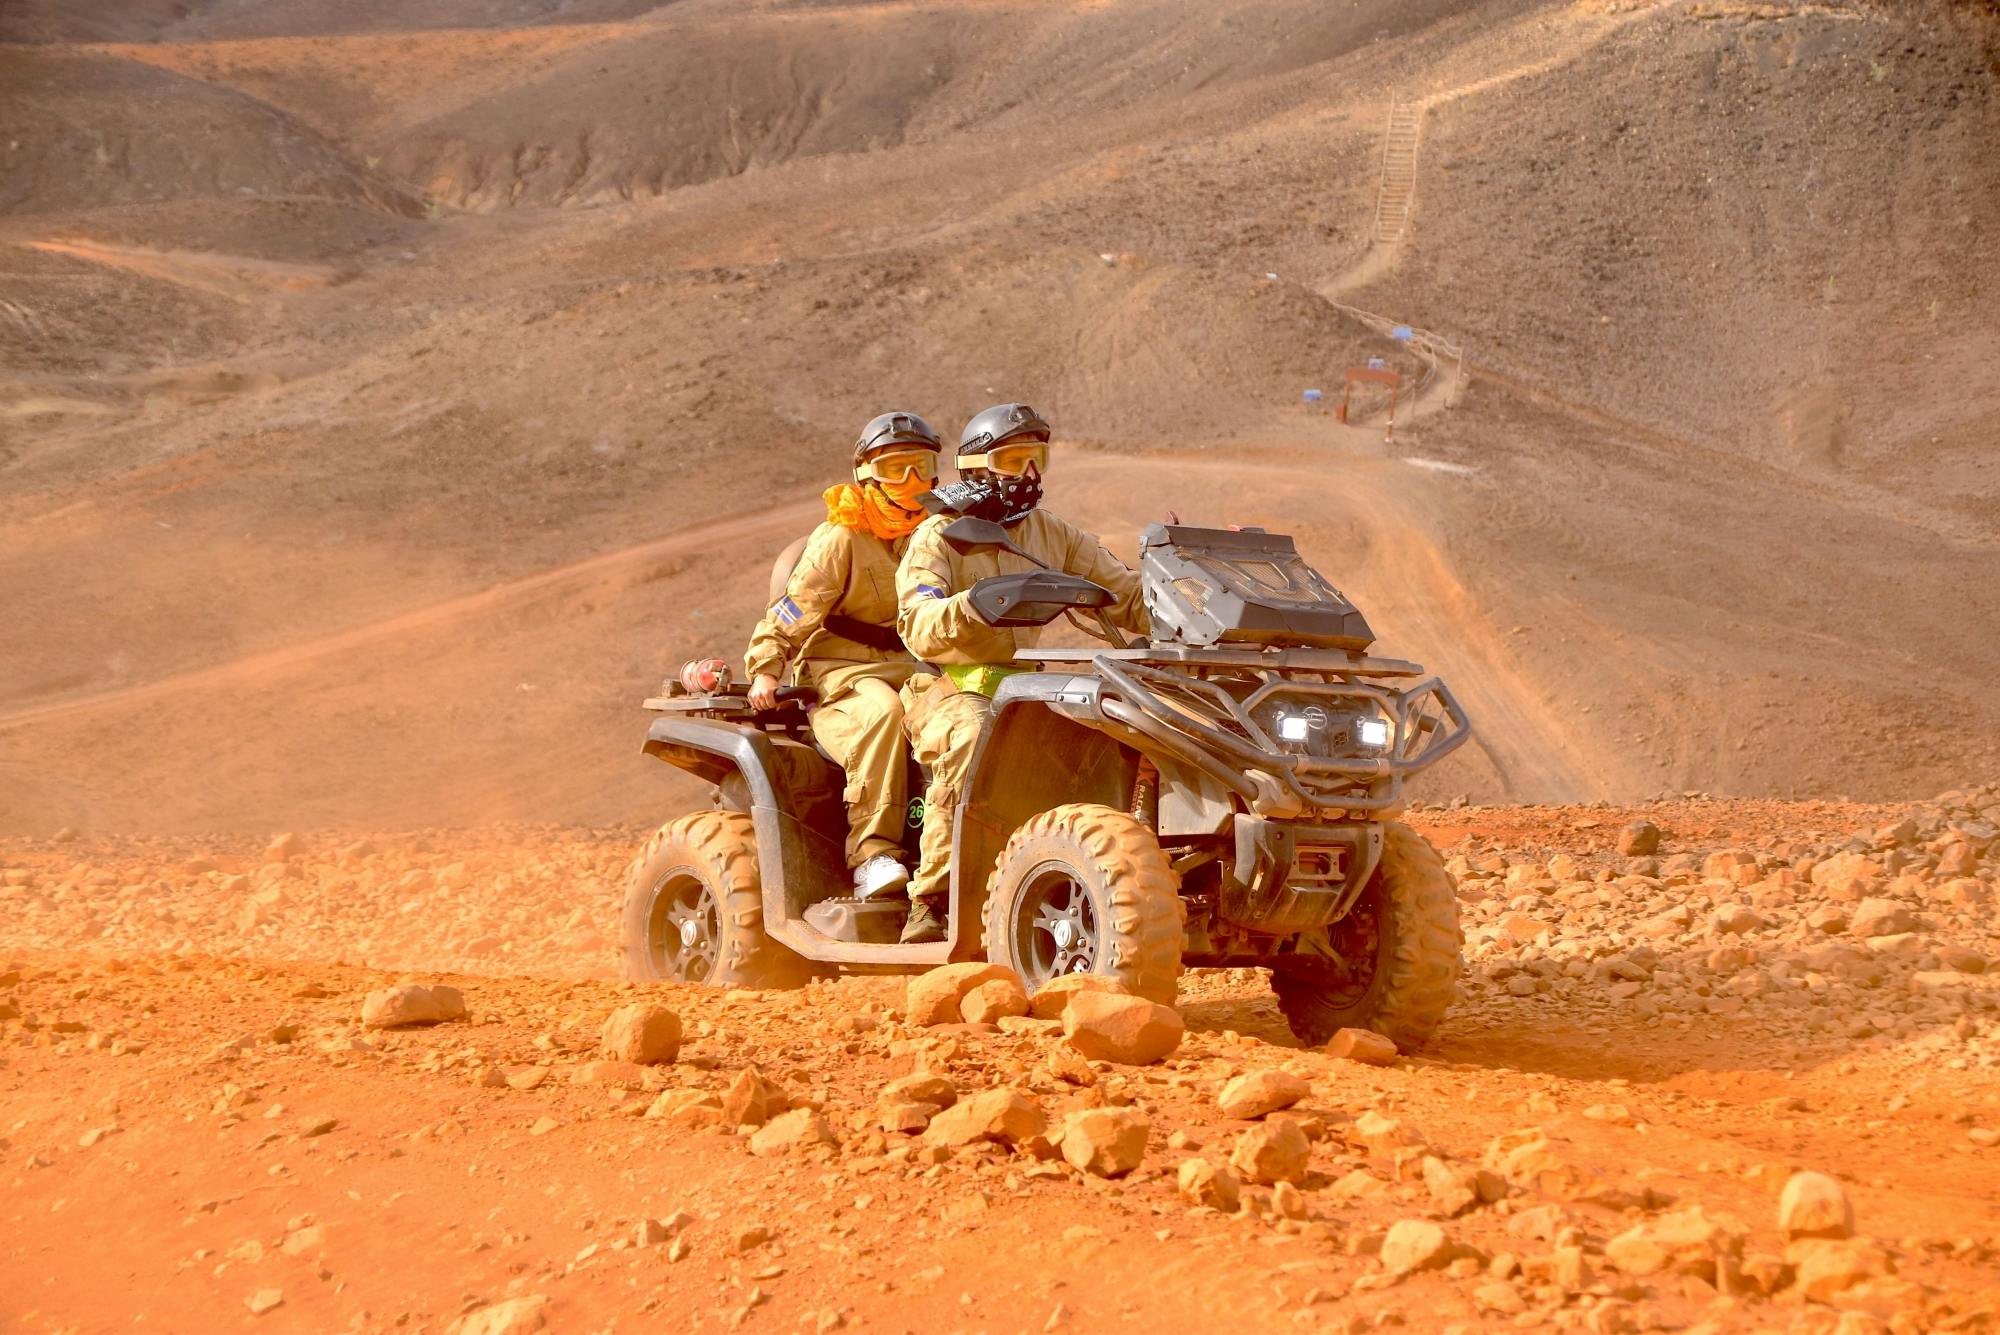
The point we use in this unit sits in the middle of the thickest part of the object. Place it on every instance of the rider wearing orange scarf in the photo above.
(835, 630)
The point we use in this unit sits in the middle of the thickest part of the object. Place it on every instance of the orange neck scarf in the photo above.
(871, 509)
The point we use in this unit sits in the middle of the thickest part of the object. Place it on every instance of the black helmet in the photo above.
(1004, 497)
(891, 429)
(1002, 421)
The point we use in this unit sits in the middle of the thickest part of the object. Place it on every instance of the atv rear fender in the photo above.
(794, 858)
(792, 795)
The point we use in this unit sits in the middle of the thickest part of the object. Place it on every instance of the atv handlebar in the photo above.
(1034, 598)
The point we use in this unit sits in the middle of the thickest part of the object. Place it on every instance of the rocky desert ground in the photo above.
(1742, 1076)
(392, 393)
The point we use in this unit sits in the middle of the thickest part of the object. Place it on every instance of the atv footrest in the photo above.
(874, 922)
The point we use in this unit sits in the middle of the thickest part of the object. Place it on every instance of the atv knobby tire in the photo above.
(1100, 867)
(1416, 959)
(705, 868)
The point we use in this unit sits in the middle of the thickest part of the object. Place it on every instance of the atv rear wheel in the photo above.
(1392, 964)
(694, 911)
(1086, 889)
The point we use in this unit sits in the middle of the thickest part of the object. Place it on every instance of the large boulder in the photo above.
(1133, 1031)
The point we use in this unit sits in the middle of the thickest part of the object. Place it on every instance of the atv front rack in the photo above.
(1184, 703)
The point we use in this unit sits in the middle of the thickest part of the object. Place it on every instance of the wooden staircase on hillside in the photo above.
(1398, 185)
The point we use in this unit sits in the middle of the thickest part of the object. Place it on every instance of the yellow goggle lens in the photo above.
(899, 465)
(1013, 458)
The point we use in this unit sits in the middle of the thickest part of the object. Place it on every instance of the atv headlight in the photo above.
(1304, 725)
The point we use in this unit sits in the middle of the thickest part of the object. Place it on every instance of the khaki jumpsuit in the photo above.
(859, 719)
(938, 624)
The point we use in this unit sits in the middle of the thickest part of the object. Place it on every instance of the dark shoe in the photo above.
(924, 924)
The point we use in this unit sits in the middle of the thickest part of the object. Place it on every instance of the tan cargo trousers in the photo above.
(861, 726)
(944, 726)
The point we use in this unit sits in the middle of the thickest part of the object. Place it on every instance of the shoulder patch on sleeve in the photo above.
(788, 611)
(930, 590)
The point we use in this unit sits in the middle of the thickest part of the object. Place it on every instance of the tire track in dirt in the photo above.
(235, 277)
(787, 517)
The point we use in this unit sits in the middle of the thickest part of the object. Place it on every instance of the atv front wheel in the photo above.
(694, 911)
(1391, 965)
(1086, 889)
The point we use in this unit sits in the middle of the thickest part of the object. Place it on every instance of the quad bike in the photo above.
(1221, 794)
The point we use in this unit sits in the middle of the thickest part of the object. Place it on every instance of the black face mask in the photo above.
(1018, 496)
(991, 496)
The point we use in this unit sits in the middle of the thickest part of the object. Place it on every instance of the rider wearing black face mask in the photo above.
(1003, 457)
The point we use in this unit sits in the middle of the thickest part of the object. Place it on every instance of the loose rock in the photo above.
(751, 1100)
(1685, 1241)
(1813, 1205)
(799, 1129)
(993, 1000)
(411, 1003)
(1640, 839)
(1881, 917)
(1274, 1151)
(993, 1114)
(647, 1035)
(1362, 1045)
(1132, 1031)
(1256, 1093)
(1204, 1183)
(1109, 1142)
(1054, 997)
(936, 997)
(1414, 1244)
(513, 1316)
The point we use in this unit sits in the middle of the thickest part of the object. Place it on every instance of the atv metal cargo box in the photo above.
(1208, 586)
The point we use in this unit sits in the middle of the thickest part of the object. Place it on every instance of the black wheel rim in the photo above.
(685, 928)
(1055, 927)
(1344, 969)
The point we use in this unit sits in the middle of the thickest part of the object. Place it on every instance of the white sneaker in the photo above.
(881, 877)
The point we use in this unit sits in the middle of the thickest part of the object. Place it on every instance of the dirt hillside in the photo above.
(393, 391)
(332, 340)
